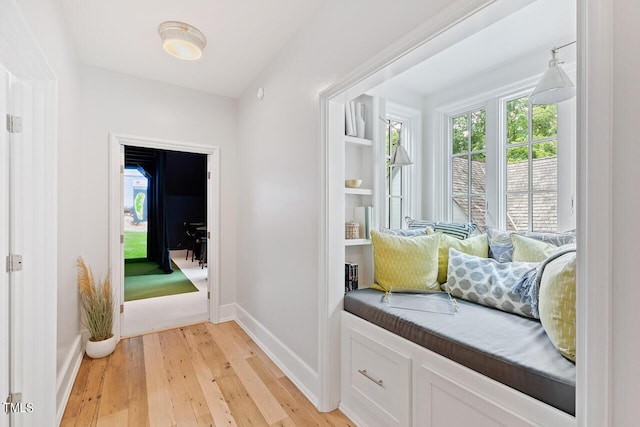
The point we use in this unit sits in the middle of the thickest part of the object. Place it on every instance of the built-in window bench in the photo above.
(480, 367)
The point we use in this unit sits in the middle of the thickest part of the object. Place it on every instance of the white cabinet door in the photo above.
(445, 403)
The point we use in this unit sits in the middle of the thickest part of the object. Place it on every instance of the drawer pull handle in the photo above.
(369, 377)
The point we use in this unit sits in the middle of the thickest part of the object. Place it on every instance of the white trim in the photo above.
(227, 313)
(300, 374)
(594, 213)
(116, 144)
(67, 377)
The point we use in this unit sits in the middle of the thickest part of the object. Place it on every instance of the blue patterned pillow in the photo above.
(501, 247)
(458, 230)
(488, 282)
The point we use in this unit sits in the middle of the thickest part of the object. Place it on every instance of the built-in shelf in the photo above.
(359, 191)
(357, 242)
(358, 141)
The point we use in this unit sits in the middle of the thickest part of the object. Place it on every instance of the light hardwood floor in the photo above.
(200, 375)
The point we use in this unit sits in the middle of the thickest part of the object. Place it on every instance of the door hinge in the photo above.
(13, 398)
(208, 175)
(208, 294)
(121, 238)
(121, 169)
(14, 124)
(208, 234)
(121, 308)
(14, 263)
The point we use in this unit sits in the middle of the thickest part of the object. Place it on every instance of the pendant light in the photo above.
(555, 85)
(400, 156)
(182, 40)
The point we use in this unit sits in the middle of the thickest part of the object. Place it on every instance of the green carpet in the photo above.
(145, 280)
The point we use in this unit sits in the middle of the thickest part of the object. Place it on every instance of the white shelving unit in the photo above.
(359, 161)
(359, 191)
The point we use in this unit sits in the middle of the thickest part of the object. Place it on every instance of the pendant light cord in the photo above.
(556, 49)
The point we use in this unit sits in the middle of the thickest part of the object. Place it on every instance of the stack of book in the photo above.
(350, 118)
(354, 113)
(350, 277)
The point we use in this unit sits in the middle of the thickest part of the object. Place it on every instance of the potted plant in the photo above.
(97, 304)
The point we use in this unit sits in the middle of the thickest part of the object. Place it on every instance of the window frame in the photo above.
(505, 146)
(495, 189)
(411, 120)
(469, 154)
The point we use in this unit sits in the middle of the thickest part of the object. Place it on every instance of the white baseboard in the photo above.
(227, 312)
(68, 375)
(351, 415)
(300, 374)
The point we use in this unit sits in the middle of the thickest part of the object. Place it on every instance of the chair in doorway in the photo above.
(201, 245)
(193, 239)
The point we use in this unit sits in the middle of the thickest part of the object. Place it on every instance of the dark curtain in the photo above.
(158, 234)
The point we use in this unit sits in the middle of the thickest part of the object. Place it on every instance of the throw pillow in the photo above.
(478, 246)
(457, 230)
(407, 233)
(488, 282)
(405, 263)
(557, 304)
(526, 249)
(501, 246)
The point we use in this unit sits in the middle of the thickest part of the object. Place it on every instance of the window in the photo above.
(136, 204)
(510, 164)
(468, 167)
(395, 180)
(531, 153)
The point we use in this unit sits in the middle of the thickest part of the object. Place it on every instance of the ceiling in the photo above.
(525, 36)
(242, 36)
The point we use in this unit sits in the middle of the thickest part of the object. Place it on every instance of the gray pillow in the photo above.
(501, 247)
(488, 282)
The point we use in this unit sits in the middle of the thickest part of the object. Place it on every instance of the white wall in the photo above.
(114, 102)
(626, 205)
(46, 22)
(278, 171)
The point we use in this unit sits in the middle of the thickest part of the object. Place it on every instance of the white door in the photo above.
(17, 351)
(4, 250)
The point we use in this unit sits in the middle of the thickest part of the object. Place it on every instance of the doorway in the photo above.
(160, 287)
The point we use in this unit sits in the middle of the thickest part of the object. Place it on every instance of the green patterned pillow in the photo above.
(409, 263)
(527, 249)
(501, 246)
(478, 246)
(557, 304)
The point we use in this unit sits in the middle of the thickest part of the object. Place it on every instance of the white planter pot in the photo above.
(98, 349)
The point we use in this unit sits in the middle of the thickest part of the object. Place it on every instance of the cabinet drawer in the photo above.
(380, 378)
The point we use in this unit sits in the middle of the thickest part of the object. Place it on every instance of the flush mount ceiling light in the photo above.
(182, 40)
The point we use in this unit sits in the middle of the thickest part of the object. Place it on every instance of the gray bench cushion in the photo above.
(511, 349)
